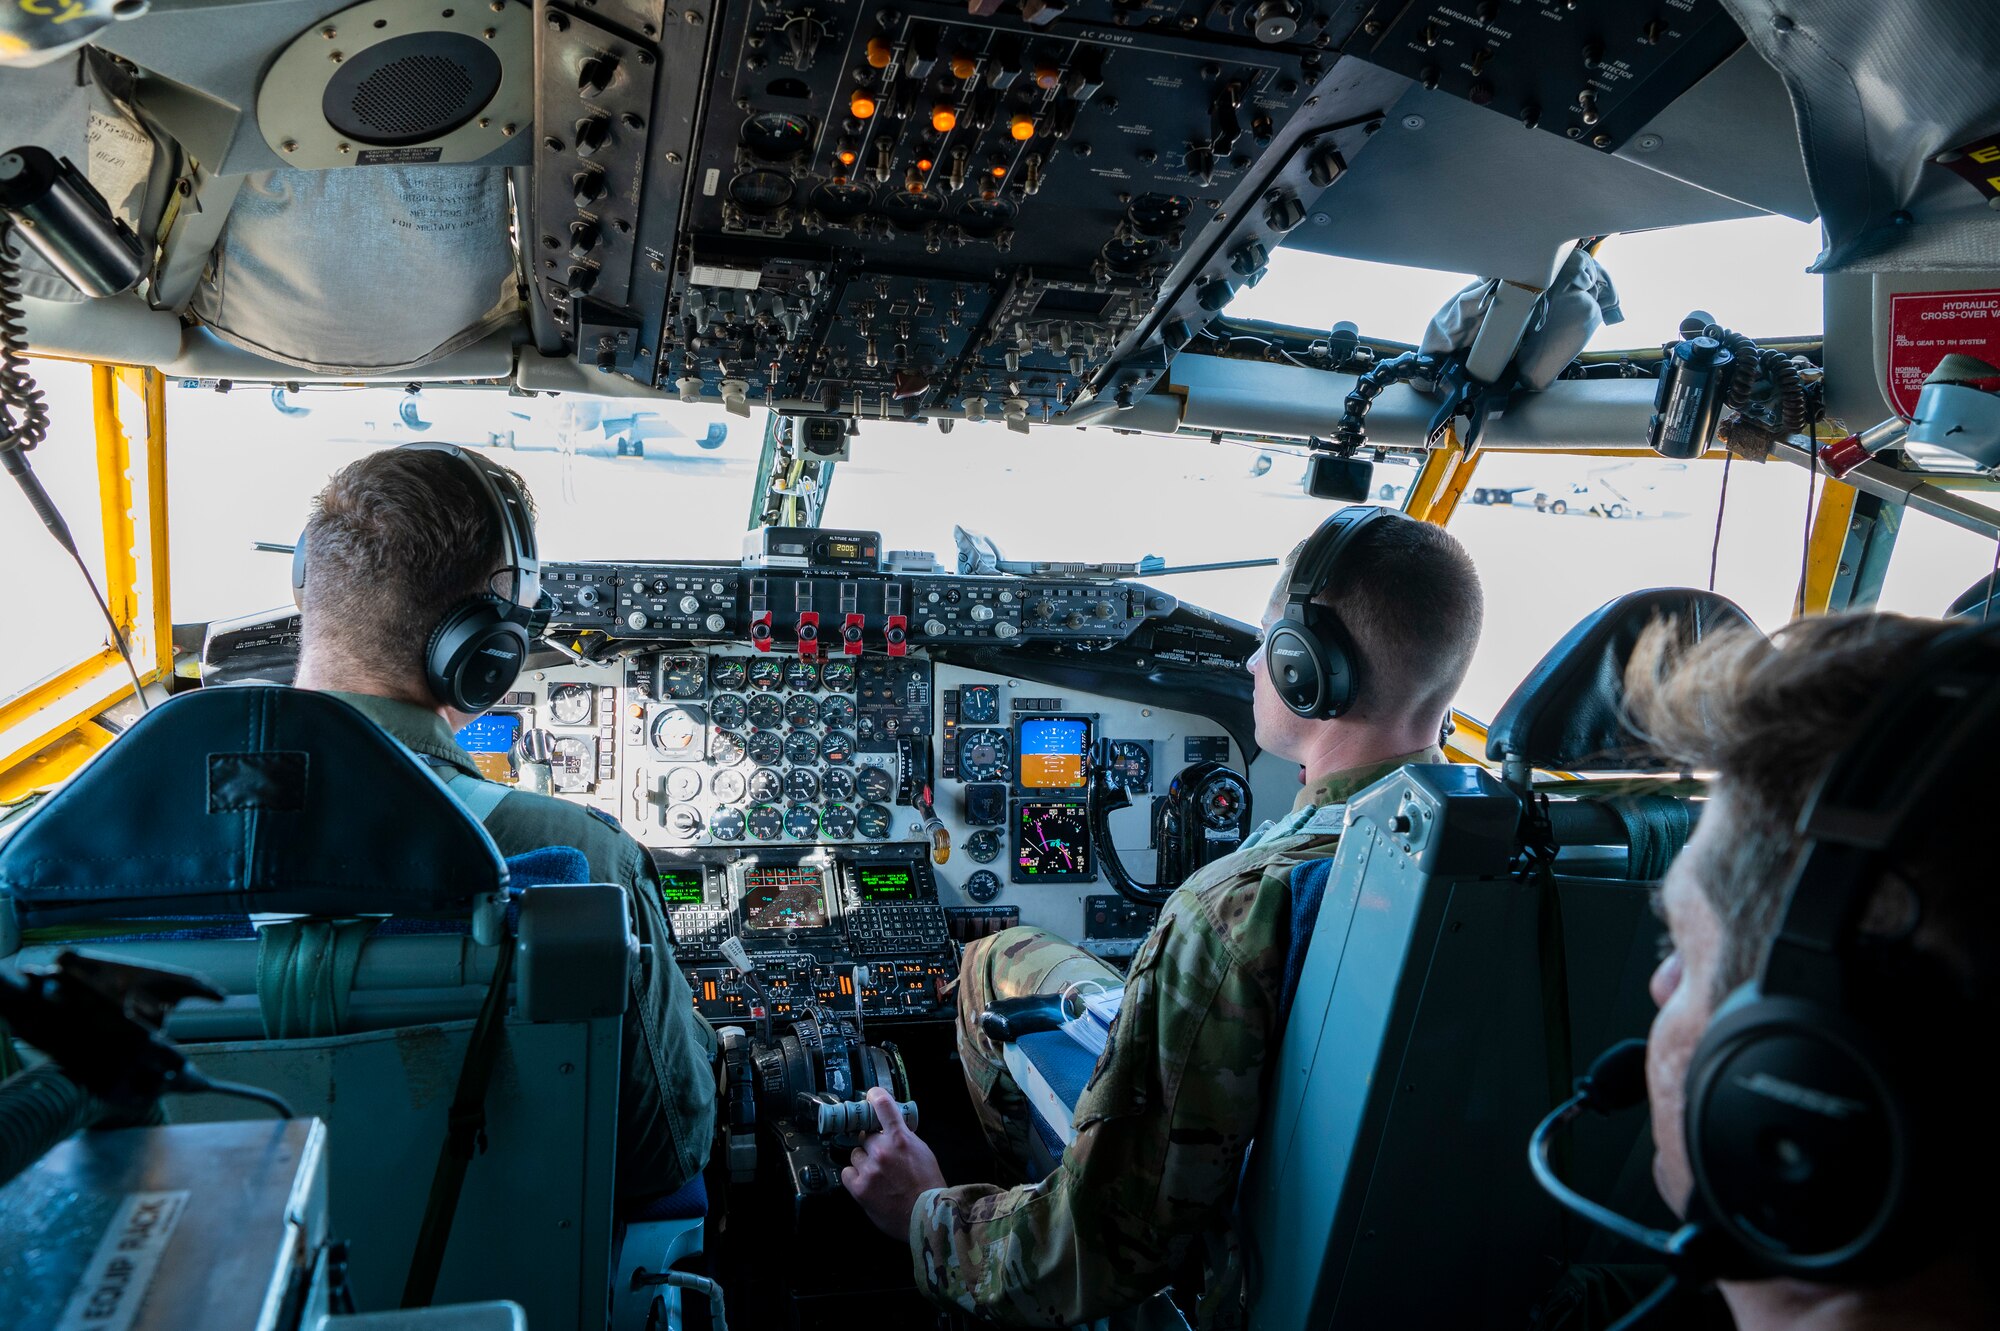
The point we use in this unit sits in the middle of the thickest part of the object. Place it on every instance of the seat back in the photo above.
(276, 801)
(1416, 1061)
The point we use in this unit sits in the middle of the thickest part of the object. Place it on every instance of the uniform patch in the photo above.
(603, 817)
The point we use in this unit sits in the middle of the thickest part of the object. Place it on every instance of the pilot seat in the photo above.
(276, 842)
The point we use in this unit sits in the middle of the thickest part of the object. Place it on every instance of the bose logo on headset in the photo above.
(500, 628)
(1321, 675)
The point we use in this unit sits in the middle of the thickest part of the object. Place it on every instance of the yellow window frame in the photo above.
(47, 730)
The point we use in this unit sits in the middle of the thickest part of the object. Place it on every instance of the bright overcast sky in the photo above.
(1750, 274)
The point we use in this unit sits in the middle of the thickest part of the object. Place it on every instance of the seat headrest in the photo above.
(1569, 714)
(249, 799)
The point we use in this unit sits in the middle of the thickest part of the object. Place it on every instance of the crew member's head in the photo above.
(1768, 718)
(1409, 598)
(396, 540)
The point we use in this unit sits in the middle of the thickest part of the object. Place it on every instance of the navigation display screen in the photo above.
(681, 887)
(1049, 752)
(780, 897)
(490, 741)
(1051, 843)
(886, 882)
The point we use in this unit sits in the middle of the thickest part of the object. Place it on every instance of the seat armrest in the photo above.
(576, 952)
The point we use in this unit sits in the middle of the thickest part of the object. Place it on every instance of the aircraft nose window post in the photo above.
(1044, 593)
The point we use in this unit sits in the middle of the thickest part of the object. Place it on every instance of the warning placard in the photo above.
(1927, 326)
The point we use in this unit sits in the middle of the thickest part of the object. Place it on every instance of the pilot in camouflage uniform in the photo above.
(1162, 1126)
(666, 1099)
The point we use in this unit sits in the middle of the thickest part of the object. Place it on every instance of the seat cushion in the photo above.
(688, 1202)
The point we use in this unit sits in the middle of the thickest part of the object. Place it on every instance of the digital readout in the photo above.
(681, 887)
(1051, 843)
(886, 882)
(1050, 752)
(777, 897)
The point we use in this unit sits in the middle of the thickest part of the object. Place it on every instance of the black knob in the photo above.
(1284, 213)
(1325, 166)
(1249, 257)
(1213, 294)
(591, 134)
(583, 238)
(581, 279)
(594, 75)
(587, 187)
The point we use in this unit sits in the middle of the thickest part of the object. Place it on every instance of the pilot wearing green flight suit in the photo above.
(396, 540)
(1148, 1184)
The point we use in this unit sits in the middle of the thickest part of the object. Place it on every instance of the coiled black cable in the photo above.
(1787, 387)
(24, 413)
(1786, 392)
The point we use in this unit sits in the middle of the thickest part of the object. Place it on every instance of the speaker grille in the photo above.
(411, 89)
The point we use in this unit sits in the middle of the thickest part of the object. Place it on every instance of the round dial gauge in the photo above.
(726, 750)
(802, 747)
(767, 674)
(842, 202)
(766, 785)
(983, 846)
(837, 821)
(984, 755)
(1157, 214)
(837, 783)
(982, 886)
(776, 135)
(801, 709)
(765, 822)
(1132, 765)
(573, 704)
(836, 748)
(979, 704)
(765, 712)
(761, 191)
(677, 733)
(728, 672)
(836, 712)
(802, 822)
(802, 674)
(873, 820)
(682, 676)
(572, 765)
(802, 784)
(727, 825)
(684, 822)
(874, 783)
(726, 710)
(837, 675)
(728, 786)
(1221, 800)
(683, 784)
(765, 747)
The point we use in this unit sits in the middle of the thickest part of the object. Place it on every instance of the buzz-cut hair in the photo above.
(1768, 717)
(1409, 596)
(395, 541)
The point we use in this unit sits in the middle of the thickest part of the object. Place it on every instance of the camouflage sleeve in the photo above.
(1161, 1129)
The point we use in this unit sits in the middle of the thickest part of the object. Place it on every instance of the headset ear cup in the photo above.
(1798, 1143)
(474, 655)
(1296, 664)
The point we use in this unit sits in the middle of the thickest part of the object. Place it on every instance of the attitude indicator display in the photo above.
(778, 898)
(1049, 752)
(1051, 843)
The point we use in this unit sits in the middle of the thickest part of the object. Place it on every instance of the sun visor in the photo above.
(76, 107)
(368, 269)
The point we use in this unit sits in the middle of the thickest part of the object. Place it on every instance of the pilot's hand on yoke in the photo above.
(890, 1169)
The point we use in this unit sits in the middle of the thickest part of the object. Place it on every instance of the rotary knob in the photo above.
(690, 604)
(982, 613)
(1102, 610)
(587, 187)
(591, 134)
(715, 623)
(594, 75)
(1213, 294)
(637, 619)
(934, 627)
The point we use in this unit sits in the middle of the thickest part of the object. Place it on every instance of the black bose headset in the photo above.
(1825, 1143)
(476, 651)
(1307, 653)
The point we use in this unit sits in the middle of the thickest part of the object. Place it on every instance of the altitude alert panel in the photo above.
(392, 82)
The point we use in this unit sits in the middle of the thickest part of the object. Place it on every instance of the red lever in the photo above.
(850, 636)
(808, 634)
(760, 630)
(897, 635)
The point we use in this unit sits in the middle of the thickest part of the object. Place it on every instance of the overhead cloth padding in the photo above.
(377, 268)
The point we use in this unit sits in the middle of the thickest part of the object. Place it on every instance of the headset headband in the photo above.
(517, 527)
(1847, 829)
(1324, 547)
